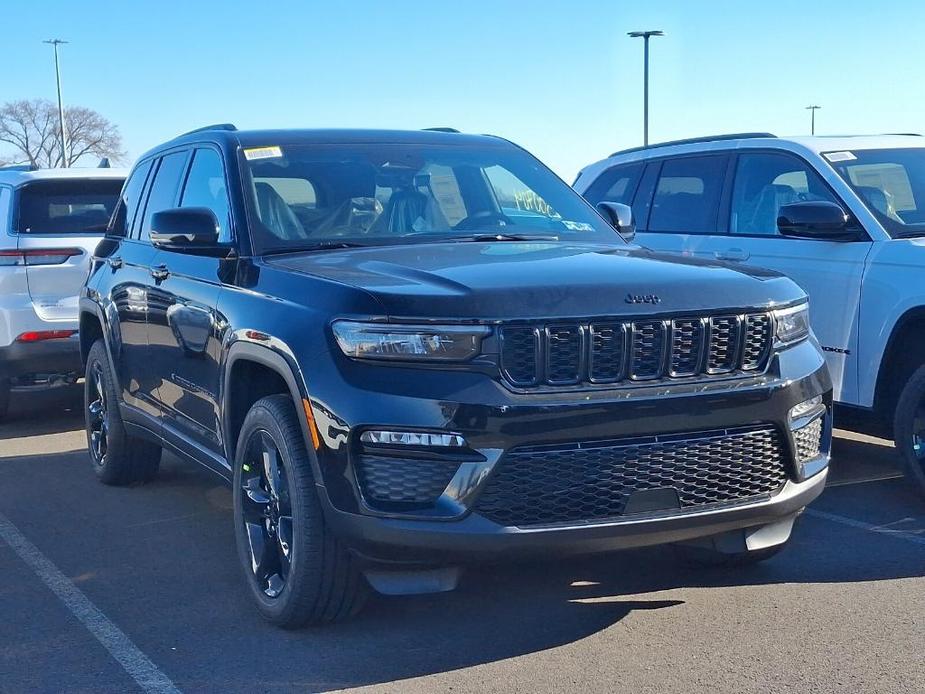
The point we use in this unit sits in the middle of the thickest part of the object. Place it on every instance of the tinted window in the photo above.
(891, 182)
(163, 193)
(375, 194)
(205, 187)
(615, 185)
(687, 195)
(131, 196)
(67, 206)
(764, 182)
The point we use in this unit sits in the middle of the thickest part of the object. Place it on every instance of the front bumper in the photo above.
(58, 356)
(494, 421)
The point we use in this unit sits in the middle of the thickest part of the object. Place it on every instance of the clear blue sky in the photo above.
(560, 78)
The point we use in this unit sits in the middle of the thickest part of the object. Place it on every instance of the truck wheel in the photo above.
(117, 458)
(702, 557)
(4, 397)
(296, 569)
(909, 429)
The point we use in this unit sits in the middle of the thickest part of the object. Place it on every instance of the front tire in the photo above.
(909, 429)
(117, 458)
(296, 570)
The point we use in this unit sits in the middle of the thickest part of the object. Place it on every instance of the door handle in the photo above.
(115, 263)
(735, 254)
(160, 272)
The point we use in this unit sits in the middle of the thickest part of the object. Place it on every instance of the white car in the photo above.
(842, 216)
(51, 221)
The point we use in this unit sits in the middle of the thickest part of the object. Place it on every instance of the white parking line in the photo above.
(113, 639)
(899, 534)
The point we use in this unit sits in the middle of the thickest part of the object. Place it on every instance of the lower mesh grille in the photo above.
(809, 440)
(594, 481)
(386, 480)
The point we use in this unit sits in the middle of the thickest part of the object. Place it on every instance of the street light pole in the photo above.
(56, 43)
(644, 35)
(812, 120)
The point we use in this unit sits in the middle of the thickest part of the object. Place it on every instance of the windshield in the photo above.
(891, 182)
(71, 206)
(366, 194)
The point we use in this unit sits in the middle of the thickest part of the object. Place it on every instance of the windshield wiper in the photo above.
(321, 245)
(508, 237)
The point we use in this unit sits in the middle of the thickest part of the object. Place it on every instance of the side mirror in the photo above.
(185, 229)
(620, 217)
(817, 219)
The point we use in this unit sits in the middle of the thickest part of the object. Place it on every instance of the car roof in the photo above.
(229, 135)
(16, 177)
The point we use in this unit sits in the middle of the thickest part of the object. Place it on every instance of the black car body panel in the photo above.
(185, 330)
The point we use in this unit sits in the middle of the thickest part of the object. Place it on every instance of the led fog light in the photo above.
(412, 438)
(806, 407)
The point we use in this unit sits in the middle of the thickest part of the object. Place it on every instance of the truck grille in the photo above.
(594, 481)
(607, 352)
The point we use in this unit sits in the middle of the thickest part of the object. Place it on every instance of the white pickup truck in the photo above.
(842, 216)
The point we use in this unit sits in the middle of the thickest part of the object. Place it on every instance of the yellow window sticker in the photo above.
(262, 153)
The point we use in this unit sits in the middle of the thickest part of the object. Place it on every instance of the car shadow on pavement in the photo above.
(40, 412)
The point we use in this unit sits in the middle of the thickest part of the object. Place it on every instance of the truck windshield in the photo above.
(891, 182)
(369, 194)
(67, 206)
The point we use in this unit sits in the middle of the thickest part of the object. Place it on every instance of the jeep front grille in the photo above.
(608, 351)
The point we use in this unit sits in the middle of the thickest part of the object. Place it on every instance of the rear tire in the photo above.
(296, 570)
(4, 397)
(909, 429)
(117, 458)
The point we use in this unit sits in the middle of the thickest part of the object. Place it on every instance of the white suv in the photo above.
(50, 224)
(843, 216)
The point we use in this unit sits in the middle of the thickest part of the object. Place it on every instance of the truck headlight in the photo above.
(791, 324)
(409, 342)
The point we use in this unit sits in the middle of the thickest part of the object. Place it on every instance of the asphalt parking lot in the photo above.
(105, 587)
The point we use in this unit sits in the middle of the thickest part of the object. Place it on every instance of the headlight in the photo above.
(409, 342)
(791, 324)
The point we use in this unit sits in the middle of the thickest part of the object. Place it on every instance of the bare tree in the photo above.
(30, 131)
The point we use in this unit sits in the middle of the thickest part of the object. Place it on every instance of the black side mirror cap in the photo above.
(620, 217)
(814, 219)
(185, 228)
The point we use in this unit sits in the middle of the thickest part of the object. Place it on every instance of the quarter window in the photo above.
(687, 195)
(615, 185)
(205, 187)
(763, 183)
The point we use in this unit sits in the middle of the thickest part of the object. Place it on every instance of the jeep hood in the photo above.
(508, 280)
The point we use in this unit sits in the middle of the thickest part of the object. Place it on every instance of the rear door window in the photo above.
(164, 189)
(68, 206)
(128, 203)
(687, 195)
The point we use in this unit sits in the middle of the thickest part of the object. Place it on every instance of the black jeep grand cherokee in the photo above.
(410, 350)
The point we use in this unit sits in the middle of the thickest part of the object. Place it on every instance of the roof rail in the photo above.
(216, 126)
(442, 130)
(19, 167)
(695, 140)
